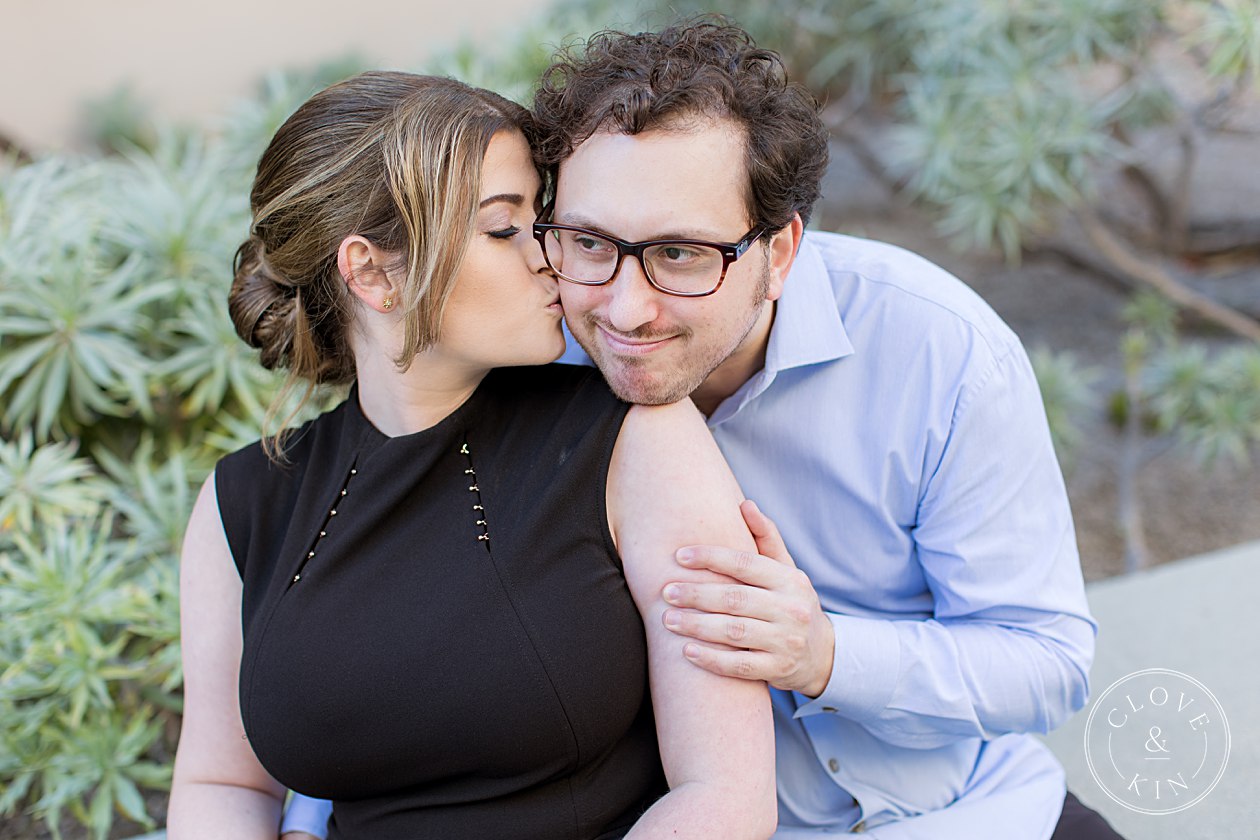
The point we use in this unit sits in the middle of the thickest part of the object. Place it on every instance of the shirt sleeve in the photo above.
(307, 814)
(1010, 642)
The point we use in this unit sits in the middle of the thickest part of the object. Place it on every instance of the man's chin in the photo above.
(631, 381)
(644, 392)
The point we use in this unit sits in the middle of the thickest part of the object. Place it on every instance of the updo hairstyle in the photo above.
(393, 157)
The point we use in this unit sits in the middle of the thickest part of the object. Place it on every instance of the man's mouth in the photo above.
(626, 346)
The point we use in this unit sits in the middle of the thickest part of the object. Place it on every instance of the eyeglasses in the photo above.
(683, 267)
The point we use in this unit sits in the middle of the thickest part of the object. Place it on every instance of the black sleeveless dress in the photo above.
(438, 636)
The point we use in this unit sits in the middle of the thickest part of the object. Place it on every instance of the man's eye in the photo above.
(590, 243)
(677, 253)
(505, 233)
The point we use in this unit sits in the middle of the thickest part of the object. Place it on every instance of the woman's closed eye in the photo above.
(505, 233)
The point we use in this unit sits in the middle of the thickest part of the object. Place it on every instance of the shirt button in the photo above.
(833, 764)
(831, 709)
(860, 828)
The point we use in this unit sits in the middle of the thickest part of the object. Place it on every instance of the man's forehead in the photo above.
(685, 182)
(691, 137)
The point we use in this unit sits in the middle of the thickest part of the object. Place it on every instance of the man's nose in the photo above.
(634, 302)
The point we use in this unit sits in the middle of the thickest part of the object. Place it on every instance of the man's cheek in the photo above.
(577, 303)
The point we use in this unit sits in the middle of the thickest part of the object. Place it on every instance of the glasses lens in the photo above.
(580, 256)
(684, 268)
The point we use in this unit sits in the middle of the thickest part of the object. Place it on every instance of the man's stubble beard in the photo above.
(683, 380)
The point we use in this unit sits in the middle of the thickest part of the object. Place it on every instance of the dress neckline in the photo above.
(372, 438)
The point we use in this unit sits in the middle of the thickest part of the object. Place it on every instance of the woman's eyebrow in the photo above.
(515, 199)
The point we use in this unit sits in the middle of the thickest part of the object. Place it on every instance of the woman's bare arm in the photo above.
(219, 790)
(669, 486)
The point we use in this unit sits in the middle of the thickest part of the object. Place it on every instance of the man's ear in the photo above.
(363, 267)
(783, 247)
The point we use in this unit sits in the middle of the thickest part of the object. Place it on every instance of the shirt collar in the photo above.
(807, 326)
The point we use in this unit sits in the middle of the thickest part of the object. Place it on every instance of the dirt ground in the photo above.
(1188, 509)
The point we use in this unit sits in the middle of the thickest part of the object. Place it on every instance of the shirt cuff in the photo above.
(864, 670)
(306, 814)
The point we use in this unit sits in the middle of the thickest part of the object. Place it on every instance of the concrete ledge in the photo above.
(1201, 617)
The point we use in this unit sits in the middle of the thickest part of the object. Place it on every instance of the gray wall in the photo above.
(190, 60)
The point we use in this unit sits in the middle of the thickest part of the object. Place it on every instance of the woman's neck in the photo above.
(402, 402)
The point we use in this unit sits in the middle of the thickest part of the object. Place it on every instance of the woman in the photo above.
(437, 634)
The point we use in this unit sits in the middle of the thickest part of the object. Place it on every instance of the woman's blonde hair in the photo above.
(393, 157)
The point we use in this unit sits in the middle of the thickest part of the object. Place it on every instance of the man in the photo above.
(927, 610)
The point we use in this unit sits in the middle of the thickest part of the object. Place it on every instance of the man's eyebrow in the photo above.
(515, 199)
(578, 220)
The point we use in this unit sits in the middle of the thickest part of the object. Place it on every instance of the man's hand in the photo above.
(770, 615)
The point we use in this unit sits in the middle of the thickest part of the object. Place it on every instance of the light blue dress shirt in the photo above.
(897, 437)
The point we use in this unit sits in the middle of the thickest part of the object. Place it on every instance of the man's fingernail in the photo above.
(691, 651)
(685, 555)
(672, 618)
(673, 592)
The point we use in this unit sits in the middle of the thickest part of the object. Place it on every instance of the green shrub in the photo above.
(119, 374)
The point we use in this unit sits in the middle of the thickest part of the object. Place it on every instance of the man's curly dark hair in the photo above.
(672, 79)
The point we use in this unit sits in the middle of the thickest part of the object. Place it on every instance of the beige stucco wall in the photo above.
(190, 60)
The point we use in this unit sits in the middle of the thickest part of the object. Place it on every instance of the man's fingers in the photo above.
(733, 631)
(730, 598)
(765, 532)
(744, 566)
(745, 664)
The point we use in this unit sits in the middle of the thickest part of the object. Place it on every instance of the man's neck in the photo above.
(748, 358)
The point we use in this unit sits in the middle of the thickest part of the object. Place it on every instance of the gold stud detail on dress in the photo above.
(471, 471)
(310, 554)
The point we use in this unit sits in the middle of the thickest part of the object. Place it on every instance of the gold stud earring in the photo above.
(387, 304)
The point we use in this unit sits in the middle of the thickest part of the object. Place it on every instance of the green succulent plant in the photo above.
(47, 484)
(71, 342)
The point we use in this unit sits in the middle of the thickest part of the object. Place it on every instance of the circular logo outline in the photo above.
(1089, 758)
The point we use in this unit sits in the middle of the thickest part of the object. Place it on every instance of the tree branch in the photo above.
(1221, 237)
(1148, 273)
(1176, 224)
(1132, 528)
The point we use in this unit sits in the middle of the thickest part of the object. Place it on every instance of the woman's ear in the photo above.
(363, 267)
